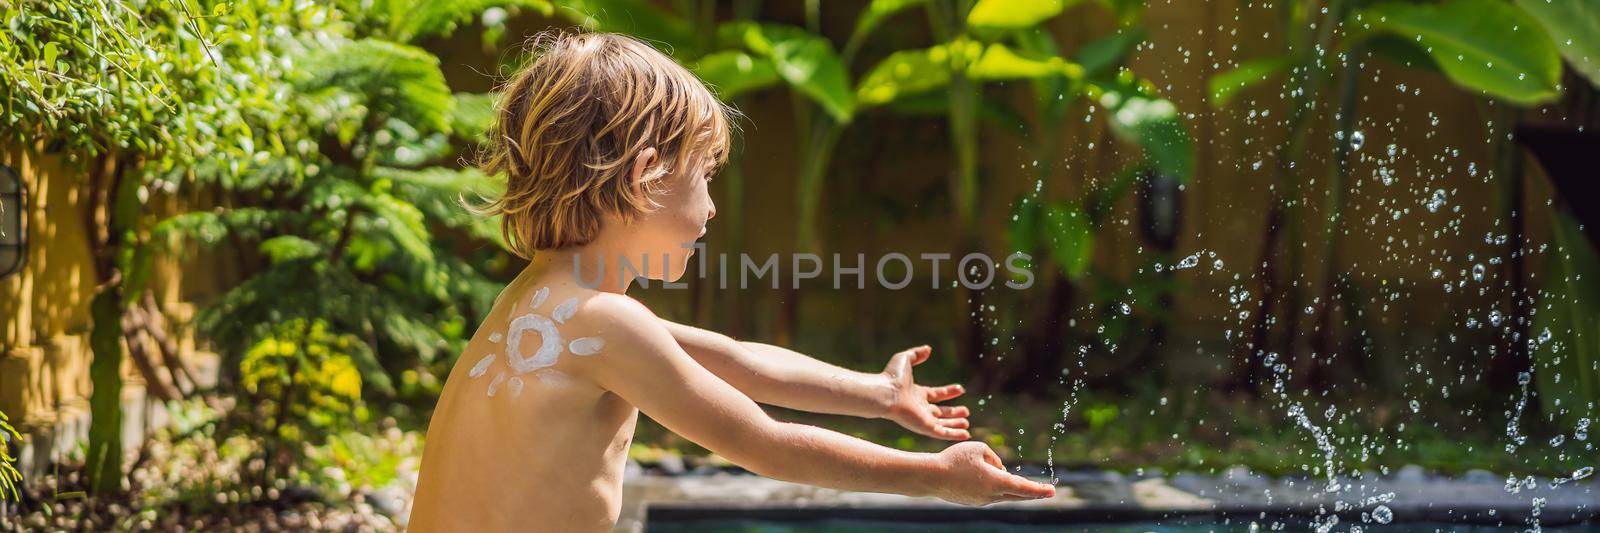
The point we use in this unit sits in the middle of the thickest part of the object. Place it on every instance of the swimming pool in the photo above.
(852, 520)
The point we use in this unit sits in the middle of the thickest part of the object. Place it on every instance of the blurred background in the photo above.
(237, 266)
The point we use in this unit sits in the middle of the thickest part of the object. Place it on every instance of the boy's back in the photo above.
(542, 449)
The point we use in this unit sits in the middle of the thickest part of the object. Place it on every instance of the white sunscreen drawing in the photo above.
(482, 366)
(551, 344)
(586, 346)
(494, 386)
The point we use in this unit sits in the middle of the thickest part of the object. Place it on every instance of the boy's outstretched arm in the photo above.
(642, 364)
(785, 378)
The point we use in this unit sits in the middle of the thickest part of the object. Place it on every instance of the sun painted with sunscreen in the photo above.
(523, 329)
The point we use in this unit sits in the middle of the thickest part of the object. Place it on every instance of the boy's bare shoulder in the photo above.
(621, 318)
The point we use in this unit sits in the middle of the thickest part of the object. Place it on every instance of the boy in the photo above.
(607, 146)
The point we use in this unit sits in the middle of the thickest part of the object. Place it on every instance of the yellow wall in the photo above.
(44, 310)
(44, 314)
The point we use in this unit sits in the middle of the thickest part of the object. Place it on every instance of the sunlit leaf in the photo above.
(1574, 27)
(472, 116)
(1012, 14)
(910, 72)
(1140, 116)
(394, 80)
(413, 19)
(1484, 45)
(289, 248)
(733, 72)
(803, 60)
(1225, 85)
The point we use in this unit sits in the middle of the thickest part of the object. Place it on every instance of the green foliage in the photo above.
(910, 72)
(1012, 14)
(9, 476)
(302, 371)
(1245, 75)
(639, 18)
(1105, 55)
(1574, 27)
(346, 461)
(879, 11)
(1071, 239)
(1566, 328)
(1484, 45)
(408, 20)
(377, 79)
(1137, 115)
(803, 60)
(472, 116)
(735, 72)
(319, 122)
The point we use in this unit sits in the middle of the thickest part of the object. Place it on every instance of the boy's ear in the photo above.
(641, 163)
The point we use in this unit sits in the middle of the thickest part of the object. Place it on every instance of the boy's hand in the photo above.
(972, 475)
(913, 406)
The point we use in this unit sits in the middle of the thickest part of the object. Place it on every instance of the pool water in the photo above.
(1162, 526)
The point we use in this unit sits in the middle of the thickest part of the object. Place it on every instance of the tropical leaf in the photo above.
(472, 116)
(400, 221)
(410, 20)
(1484, 45)
(1574, 27)
(735, 72)
(1107, 54)
(1140, 116)
(1566, 327)
(878, 11)
(909, 72)
(1223, 86)
(212, 227)
(393, 80)
(1012, 14)
(1404, 52)
(289, 248)
(637, 18)
(468, 180)
(803, 60)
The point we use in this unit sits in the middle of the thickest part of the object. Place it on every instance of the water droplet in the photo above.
(1437, 201)
(1357, 140)
(1477, 272)
(1127, 309)
(1416, 406)
(1382, 514)
(1582, 473)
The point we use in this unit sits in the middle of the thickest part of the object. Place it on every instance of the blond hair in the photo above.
(571, 125)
